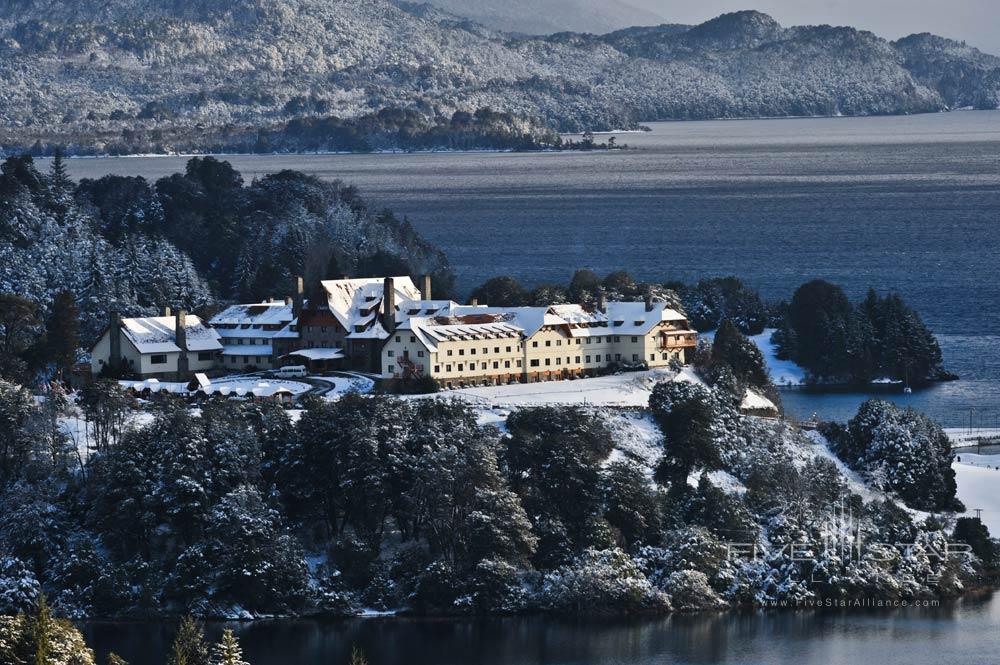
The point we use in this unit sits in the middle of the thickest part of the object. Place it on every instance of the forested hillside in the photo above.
(95, 74)
(188, 240)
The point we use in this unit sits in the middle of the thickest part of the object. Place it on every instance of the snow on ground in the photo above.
(821, 448)
(74, 426)
(637, 437)
(624, 389)
(964, 436)
(978, 478)
(342, 385)
(783, 372)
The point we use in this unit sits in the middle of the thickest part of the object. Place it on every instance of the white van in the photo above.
(291, 372)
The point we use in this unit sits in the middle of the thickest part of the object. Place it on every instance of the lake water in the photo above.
(963, 633)
(908, 204)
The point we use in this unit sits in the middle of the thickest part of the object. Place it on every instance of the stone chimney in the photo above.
(180, 339)
(389, 304)
(166, 311)
(298, 297)
(115, 338)
(649, 301)
(602, 302)
(288, 300)
(425, 291)
(474, 302)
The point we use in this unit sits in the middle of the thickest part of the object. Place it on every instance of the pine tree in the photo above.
(189, 646)
(41, 631)
(228, 651)
(62, 331)
(115, 659)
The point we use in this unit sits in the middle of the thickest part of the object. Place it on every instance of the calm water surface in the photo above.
(963, 634)
(908, 204)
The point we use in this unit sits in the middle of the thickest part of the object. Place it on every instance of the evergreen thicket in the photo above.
(837, 341)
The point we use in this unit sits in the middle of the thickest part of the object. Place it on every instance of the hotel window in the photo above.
(548, 361)
(558, 342)
(322, 329)
(461, 366)
(496, 349)
(397, 336)
(158, 359)
(506, 363)
(635, 339)
(472, 352)
(447, 368)
(617, 339)
(607, 357)
(578, 360)
(391, 369)
(618, 356)
(518, 363)
(508, 349)
(461, 352)
(413, 338)
(420, 353)
(534, 362)
(652, 356)
(203, 356)
(486, 350)
(635, 357)
(449, 352)
(496, 365)
(437, 369)
(548, 342)
(559, 361)
(482, 366)
(392, 353)
(588, 359)
(535, 344)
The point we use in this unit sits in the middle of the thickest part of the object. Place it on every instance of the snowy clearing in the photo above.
(627, 389)
(965, 437)
(783, 372)
(978, 480)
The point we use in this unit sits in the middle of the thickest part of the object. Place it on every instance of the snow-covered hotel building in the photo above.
(391, 328)
(161, 347)
(247, 333)
(471, 344)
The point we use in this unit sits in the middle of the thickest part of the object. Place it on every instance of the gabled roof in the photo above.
(256, 314)
(357, 303)
(155, 334)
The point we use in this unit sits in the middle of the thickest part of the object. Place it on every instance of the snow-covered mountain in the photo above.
(539, 17)
(75, 69)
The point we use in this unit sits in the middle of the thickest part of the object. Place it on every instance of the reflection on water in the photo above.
(962, 633)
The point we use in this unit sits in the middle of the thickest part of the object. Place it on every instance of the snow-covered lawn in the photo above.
(978, 478)
(625, 389)
(342, 385)
(963, 436)
(783, 372)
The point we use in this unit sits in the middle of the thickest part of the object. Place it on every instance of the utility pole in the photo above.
(979, 514)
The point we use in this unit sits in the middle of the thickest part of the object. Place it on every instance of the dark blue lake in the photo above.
(908, 204)
(963, 633)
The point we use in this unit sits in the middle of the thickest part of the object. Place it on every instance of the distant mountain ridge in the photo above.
(83, 71)
(534, 17)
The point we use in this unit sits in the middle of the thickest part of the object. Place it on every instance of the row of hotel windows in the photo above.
(535, 362)
(486, 350)
(461, 366)
(589, 340)
(161, 358)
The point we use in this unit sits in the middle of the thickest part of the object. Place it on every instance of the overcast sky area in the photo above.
(975, 21)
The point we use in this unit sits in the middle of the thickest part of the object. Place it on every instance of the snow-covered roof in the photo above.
(255, 314)
(156, 334)
(357, 303)
(318, 354)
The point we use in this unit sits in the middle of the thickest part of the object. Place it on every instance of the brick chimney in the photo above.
(425, 292)
(166, 311)
(298, 297)
(602, 302)
(115, 338)
(389, 304)
(649, 301)
(474, 302)
(180, 339)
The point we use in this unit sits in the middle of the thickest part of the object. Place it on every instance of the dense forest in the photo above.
(389, 129)
(878, 338)
(189, 240)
